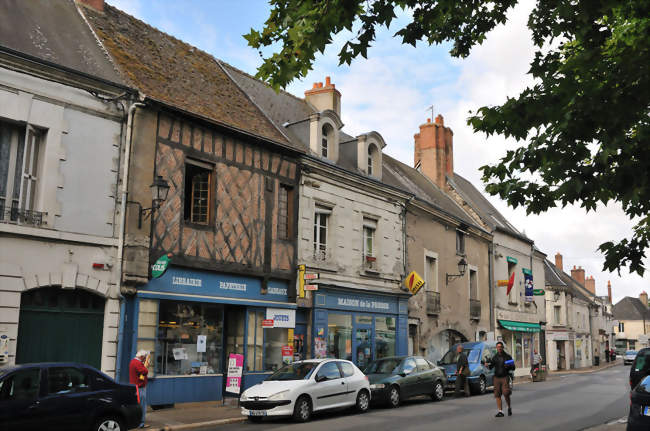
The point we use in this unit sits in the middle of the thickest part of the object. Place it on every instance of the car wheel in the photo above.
(394, 397)
(302, 409)
(480, 387)
(363, 401)
(438, 391)
(109, 423)
(256, 419)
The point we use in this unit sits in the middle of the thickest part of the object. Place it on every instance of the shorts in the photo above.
(501, 387)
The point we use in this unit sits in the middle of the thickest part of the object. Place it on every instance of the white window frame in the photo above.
(321, 215)
(369, 232)
(431, 280)
(470, 269)
(462, 235)
(557, 314)
(370, 159)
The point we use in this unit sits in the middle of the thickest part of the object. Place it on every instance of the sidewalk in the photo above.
(187, 416)
(586, 370)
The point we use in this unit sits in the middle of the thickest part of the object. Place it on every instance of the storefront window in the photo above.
(264, 345)
(385, 336)
(255, 340)
(147, 322)
(235, 320)
(339, 336)
(275, 339)
(189, 338)
(518, 350)
(527, 346)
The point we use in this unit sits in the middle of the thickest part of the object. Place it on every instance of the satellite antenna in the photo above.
(431, 108)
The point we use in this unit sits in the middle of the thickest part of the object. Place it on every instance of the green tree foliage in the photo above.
(583, 126)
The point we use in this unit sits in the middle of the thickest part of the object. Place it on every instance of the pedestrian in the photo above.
(502, 364)
(462, 371)
(138, 377)
(537, 362)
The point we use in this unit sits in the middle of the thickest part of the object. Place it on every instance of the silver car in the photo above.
(629, 356)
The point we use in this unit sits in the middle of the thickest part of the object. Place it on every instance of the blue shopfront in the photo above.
(192, 320)
(359, 326)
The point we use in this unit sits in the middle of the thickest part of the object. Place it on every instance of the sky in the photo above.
(391, 91)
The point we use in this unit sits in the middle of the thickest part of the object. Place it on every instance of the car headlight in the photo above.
(279, 395)
(377, 386)
(243, 397)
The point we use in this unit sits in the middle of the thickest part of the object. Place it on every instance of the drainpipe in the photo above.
(120, 243)
(491, 285)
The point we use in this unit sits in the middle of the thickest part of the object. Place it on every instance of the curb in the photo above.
(564, 373)
(200, 424)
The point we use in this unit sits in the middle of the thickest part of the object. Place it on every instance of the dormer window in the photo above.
(370, 160)
(328, 134)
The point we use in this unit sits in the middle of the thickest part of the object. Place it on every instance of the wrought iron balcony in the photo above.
(433, 302)
(21, 217)
(475, 309)
(321, 253)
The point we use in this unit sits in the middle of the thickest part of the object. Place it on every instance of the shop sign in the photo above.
(160, 266)
(281, 317)
(414, 282)
(267, 323)
(233, 378)
(311, 287)
(511, 259)
(539, 292)
(287, 354)
(502, 283)
(528, 287)
(311, 276)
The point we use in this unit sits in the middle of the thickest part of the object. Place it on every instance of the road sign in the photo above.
(311, 276)
(538, 292)
(311, 287)
(414, 282)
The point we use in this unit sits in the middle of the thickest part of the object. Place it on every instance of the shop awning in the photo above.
(511, 325)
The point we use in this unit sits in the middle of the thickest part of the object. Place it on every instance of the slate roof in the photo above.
(630, 308)
(54, 31)
(173, 72)
(552, 276)
(488, 213)
(574, 287)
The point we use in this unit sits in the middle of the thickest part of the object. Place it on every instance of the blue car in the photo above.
(65, 397)
(478, 353)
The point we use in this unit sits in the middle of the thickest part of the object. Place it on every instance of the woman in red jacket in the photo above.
(138, 377)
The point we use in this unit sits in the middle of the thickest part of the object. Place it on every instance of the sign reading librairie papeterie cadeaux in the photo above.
(233, 378)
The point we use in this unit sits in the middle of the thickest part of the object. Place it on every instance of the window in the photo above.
(63, 380)
(19, 159)
(369, 227)
(518, 350)
(274, 339)
(422, 364)
(179, 350)
(557, 309)
(198, 180)
(408, 365)
(22, 385)
(264, 345)
(347, 369)
(430, 274)
(370, 160)
(285, 212)
(473, 284)
(329, 370)
(632, 344)
(339, 336)
(321, 218)
(385, 336)
(460, 242)
(621, 327)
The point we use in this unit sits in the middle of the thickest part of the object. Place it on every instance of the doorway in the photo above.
(561, 355)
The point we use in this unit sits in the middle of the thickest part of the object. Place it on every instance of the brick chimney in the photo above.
(434, 151)
(578, 274)
(558, 261)
(643, 297)
(590, 284)
(609, 290)
(324, 97)
(95, 4)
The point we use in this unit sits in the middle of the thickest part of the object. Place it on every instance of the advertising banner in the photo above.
(528, 287)
(282, 318)
(233, 378)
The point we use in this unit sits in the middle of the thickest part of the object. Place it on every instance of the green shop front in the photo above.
(193, 320)
(359, 326)
(521, 339)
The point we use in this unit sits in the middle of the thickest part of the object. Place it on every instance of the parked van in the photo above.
(478, 354)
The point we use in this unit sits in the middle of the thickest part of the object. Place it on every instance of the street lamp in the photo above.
(159, 190)
(462, 266)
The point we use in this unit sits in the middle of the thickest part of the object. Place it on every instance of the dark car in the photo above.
(640, 367)
(65, 396)
(478, 354)
(639, 417)
(396, 378)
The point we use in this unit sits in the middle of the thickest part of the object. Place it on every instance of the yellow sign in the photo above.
(290, 336)
(501, 283)
(414, 282)
(301, 281)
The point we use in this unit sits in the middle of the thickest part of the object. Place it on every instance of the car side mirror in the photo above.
(439, 362)
(320, 378)
(406, 372)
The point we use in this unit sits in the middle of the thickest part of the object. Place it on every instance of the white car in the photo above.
(307, 386)
(629, 357)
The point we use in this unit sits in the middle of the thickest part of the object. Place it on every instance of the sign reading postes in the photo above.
(414, 282)
(160, 266)
(538, 292)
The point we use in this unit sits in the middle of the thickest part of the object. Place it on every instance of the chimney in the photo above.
(578, 274)
(590, 284)
(434, 151)
(324, 97)
(95, 4)
(643, 297)
(558, 261)
(609, 290)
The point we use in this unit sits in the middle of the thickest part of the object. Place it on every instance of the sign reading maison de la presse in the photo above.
(377, 304)
(180, 280)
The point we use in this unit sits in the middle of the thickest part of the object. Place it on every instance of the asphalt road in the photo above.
(570, 402)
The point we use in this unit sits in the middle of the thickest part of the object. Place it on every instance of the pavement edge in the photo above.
(200, 424)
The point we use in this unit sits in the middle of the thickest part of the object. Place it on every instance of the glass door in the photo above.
(363, 341)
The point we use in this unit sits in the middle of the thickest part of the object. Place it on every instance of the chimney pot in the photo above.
(95, 4)
(428, 120)
(558, 261)
(328, 81)
(440, 120)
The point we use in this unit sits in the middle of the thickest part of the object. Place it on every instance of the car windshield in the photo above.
(473, 355)
(631, 352)
(383, 366)
(297, 371)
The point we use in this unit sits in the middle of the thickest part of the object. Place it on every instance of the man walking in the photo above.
(502, 364)
(462, 371)
(138, 377)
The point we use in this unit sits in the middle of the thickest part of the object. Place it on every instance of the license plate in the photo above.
(646, 411)
(257, 413)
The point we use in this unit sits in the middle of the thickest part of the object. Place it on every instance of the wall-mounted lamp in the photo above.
(462, 266)
(159, 190)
